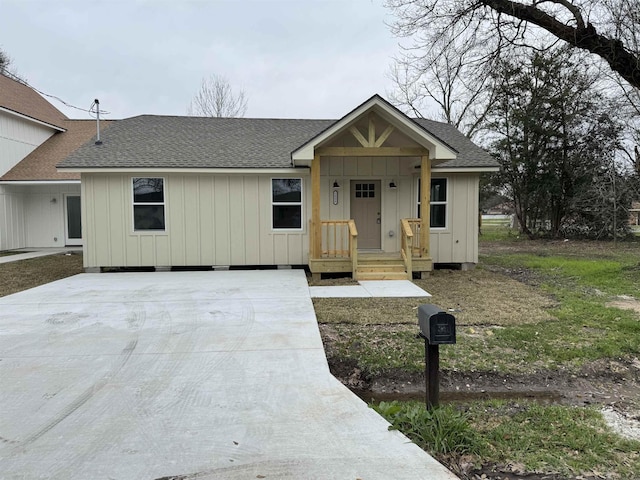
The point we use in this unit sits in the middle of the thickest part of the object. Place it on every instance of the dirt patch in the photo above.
(335, 280)
(625, 303)
(609, 383)
(579, 248)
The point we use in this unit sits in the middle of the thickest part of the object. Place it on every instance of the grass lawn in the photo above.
(544, 306)
(24, 274)
(480, 439)
(531, 309)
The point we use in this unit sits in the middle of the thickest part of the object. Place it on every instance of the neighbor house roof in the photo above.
(41, 164)
(150, 141)
(19, 98)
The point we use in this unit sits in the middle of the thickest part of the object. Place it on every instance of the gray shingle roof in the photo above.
(468, 153)
(150, 141)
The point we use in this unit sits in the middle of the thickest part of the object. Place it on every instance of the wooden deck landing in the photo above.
(371, 266)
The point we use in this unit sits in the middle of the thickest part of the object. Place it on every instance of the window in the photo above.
(438, 202)
(286, 200)
(148, 204)
(365, 190)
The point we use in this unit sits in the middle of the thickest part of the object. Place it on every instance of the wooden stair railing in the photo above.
(407, 245)
(353, 248)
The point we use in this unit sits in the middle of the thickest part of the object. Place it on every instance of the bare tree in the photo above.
(454, 75)
(216, 98)
(608, 29)
(5, 61)
(7, 67)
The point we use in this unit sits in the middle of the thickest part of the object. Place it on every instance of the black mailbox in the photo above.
(436, 326)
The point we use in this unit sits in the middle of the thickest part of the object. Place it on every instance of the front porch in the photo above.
(366, 172)
(339, 253)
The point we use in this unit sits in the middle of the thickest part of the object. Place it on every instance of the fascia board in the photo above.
(210, 171)
(31, 119)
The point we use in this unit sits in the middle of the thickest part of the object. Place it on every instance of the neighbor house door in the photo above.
(365, 210)
(72, 220)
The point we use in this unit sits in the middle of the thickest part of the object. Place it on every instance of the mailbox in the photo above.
(436, 326)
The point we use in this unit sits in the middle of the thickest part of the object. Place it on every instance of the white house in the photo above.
(337, 195)
(39, 206)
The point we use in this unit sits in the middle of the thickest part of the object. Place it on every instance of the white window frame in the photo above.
(134, 204)
(431, 202)
(288, 204)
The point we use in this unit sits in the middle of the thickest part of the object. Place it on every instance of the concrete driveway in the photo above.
(183, 375)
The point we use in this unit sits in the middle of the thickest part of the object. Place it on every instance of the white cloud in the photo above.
(298, 58)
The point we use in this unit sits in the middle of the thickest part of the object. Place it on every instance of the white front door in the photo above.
(72, 220)
(365, 210)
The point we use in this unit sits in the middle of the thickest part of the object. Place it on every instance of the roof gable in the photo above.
(438, 149)
(40, 165)
(20, 99)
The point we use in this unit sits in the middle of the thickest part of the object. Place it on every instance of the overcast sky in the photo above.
(293, 58)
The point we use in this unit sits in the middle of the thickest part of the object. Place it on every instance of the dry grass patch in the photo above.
(25, 274)
(6, 253)
(476, 297)
(626, 304)
(367, 311)
(481, 297)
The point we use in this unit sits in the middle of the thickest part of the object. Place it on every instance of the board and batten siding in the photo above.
(209, 220)
(44, 214)
(395, 203)
(18, 138)
(458, 242)
(34, 215)
(12, 227)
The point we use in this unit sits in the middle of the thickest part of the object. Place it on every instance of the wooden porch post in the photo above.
(425, 205)
(315, 207)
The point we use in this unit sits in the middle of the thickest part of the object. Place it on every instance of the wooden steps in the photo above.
(379, 267)
(372, 266)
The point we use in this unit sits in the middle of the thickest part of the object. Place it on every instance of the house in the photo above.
(338, 196)
(39, 205)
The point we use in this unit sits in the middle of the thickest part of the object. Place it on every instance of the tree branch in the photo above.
(626, 63)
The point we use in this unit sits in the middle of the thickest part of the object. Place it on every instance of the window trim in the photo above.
(272, 204)
(134, 204)
(431, 203)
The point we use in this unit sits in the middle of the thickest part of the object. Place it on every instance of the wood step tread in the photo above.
(382, 275)
(381, 268)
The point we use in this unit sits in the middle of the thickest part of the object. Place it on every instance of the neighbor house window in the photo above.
(148, 204)
(286, 200)
(438, 202)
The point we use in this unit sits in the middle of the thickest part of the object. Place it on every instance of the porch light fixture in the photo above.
(335, 184)
(393, 185)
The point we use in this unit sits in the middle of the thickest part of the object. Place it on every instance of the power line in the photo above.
(90, 111)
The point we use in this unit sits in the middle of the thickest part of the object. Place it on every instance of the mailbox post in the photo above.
(437, 328)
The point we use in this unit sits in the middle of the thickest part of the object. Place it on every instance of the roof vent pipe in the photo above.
(96, 102)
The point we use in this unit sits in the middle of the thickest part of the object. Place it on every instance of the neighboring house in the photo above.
(634, 216)
(338, 196)
(39, 206)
